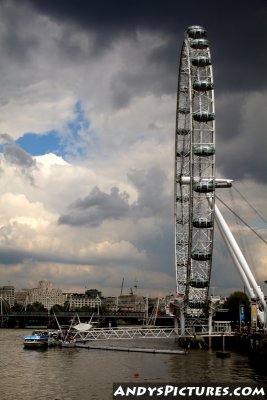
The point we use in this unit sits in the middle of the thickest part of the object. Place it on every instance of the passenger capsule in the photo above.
(196, 32)
(202, 86)
(183, 132)
(199, 283)
(201, 255)
(196, 304)
(201, 61)
(204, 150)
(202, 222)
(203, 116)
(204, 186)
(184, 110)
(199, 44)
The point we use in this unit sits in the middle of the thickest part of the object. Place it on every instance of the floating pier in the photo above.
(131, 349)
(154, 332)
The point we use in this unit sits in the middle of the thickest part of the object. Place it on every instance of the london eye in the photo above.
(195, 181)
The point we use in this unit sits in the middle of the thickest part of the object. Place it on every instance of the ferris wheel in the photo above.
(195, 184)
(194, 172)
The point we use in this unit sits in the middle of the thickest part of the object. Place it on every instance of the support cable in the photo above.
(244, 222)
(250, 205)
(242, 237)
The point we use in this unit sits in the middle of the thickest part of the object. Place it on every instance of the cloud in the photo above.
(96, 208)
(18, 156)
(242, 136)
(102, 80)
(108, 21)
(15, 155)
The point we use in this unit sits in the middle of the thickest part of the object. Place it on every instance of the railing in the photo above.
(120, 333)
(72, 313)
(126, 333)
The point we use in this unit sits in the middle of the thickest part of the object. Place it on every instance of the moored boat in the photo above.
(36, 340)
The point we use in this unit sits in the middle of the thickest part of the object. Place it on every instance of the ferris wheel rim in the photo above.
(195, 120)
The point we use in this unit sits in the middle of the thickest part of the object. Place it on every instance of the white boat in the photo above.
(36, 340)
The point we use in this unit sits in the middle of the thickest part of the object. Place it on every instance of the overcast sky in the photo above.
(87, 121)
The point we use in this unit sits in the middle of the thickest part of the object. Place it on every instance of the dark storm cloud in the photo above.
(154, 74)
(12, 43)
(237, 30)
(247, 162)
(241, 137)
(96, 208)
(16, 47)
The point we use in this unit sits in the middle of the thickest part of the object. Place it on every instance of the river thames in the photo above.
(81, 374)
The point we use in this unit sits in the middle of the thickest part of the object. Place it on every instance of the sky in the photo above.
(87, 123)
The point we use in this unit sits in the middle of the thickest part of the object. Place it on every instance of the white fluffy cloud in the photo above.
(30, 228)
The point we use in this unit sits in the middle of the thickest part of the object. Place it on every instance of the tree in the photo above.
(57, 308)
(37, 306)
(17, 307)
(233, 303)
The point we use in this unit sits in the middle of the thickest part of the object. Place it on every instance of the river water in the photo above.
(82, 374)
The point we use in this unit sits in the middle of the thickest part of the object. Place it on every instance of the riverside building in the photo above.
(77, 300)
(46, 294)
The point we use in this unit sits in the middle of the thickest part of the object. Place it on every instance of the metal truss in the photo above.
(126, 333)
